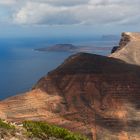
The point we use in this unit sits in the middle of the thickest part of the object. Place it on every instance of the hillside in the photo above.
(35, 130)
(94, 95)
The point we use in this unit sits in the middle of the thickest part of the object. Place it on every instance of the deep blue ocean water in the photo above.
(21, 66)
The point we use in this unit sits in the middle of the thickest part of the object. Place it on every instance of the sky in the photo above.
(38, 18)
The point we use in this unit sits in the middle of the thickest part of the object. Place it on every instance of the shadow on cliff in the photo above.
(117, 125)
(115, 79)
(108, 70)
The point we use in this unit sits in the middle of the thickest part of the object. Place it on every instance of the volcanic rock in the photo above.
(114, 49)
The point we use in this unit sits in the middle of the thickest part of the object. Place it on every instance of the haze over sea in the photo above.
(21, 66)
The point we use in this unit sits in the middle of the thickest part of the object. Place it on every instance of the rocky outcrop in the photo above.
(129, 48)
(114, 49)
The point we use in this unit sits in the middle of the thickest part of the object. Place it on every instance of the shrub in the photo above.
(6, 125)
(43, 130)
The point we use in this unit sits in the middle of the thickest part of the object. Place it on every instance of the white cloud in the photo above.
(61, 12)
(42, 13)
(7, 2)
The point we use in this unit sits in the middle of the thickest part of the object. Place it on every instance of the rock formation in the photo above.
(129, 48)
(114, 49)
(91, 94)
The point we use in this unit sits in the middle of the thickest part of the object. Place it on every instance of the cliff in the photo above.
(129, 48)
(95, 95)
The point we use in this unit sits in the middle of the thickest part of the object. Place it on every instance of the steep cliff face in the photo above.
(129, 48)
(92, 94)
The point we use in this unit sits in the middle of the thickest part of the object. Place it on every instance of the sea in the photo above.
(21, 66)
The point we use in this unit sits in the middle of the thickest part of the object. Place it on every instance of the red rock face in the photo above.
(104, 95)
(95, 95)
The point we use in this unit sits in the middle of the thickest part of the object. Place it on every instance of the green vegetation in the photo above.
(5, 125)
(43, 130)
(34, 129)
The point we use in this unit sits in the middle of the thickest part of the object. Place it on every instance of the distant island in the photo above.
(67, 48)
(59, 48)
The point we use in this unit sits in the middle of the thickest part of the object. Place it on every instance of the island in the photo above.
(59, 48)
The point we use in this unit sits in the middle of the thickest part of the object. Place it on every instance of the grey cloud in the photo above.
(7, 2)
(61, 12)
(63, 2)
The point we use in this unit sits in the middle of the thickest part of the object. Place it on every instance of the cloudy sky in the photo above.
(68, 17)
